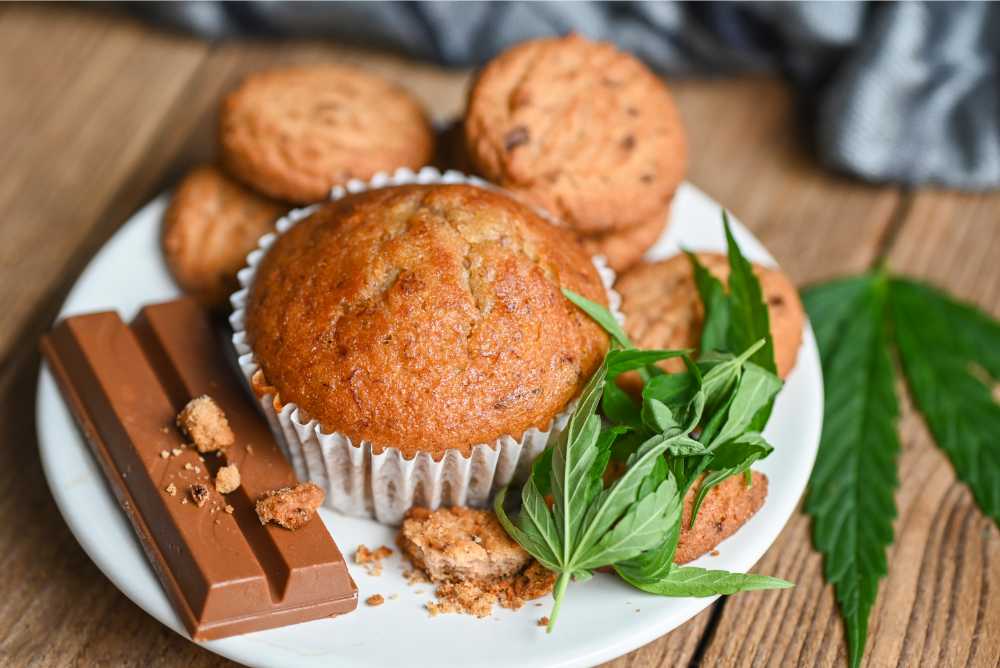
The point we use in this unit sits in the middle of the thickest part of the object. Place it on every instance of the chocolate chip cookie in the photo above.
(295, 133)
(581, 128)
(211, 225)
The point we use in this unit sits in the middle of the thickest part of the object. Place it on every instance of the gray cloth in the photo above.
(904, 93)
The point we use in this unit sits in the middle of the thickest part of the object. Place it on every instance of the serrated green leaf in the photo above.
(601, 316)
(749, 319)
(729, 459)
(950, 357)
(620, 361)
(528, 537)
(851, 490)
(654, 564)
(572, 485)
(755, 390)
(715, 302)
(699, 582)
(641, 528)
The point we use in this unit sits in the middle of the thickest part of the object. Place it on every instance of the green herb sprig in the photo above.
(703, 423)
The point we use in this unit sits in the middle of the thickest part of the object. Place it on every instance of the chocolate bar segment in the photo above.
(225, 573)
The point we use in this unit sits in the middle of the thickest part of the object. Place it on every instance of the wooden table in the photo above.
(98, 114)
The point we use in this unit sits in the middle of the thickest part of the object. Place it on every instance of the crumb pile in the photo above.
(472, 560)
(290, 507)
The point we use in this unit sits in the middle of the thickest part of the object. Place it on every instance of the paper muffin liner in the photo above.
(385, 484)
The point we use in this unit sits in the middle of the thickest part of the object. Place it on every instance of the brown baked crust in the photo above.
(663, 310)
(623, 248)
(458, 544)
(584, 130)
(726, 508)
(294, 133)
(425, 317)
(210, 226)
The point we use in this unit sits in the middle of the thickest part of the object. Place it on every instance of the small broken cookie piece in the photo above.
(456, 544)
(205, 423)
(227, 479)
(371, 559)
(198, 493)
(375, 600)
(725, 509)
(290, 507)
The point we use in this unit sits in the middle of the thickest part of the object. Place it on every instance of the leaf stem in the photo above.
(558, 594)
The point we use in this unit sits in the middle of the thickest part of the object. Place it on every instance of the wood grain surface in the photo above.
(99, 113)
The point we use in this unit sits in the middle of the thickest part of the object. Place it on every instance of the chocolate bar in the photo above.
(224, 571)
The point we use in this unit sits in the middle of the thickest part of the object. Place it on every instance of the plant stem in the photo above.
(558, 594)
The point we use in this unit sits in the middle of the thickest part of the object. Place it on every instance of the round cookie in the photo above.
(295, 133)
(582, 129)
(663, 310)
(211, 225)
(623, 248)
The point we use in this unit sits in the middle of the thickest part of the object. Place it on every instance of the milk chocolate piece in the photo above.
(225, 573)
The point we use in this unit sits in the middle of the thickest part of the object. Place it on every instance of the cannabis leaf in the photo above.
(951, 358)
(701, 582)
(851, 490)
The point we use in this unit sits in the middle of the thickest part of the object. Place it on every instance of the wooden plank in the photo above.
(936, 607)
(86, 94)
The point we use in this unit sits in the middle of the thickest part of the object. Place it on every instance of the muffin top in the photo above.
(293, 133)
(425, 317)
(581, 128)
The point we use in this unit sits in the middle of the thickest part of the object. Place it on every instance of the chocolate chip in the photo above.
(516, 137)
(631, 111)
(628, 143)
(776, 300)
(646, 178)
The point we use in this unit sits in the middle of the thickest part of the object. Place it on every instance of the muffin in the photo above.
(421, 325)
(663, 309)
(294, 133)
(579, 128)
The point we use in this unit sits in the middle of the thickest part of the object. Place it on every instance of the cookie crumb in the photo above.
(249, 449)
(371, 559)
(227, 479)
(165, 430)
(228, 509)
(543, 621)
(188, 467)
(375, 600)
(414, 576)
(164, 454)
(171, 489)
(184, 500)
(198, 494)
(205, 423)
(290, 507)
(176, 452)
(714, 553)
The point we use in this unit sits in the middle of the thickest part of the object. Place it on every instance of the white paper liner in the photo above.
(385, 485)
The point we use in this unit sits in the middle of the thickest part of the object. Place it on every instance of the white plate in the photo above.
(600, 619)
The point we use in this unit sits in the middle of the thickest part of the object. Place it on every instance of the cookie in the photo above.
(211, 225)
(295, 133)
(663, 310)
(584, 130)
(624, 248)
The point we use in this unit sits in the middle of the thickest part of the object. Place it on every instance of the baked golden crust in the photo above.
(211, 225)
(584, 130)
(623, 248)
(726, 508)
(295, 133)
(663, 310)
(425, 317)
